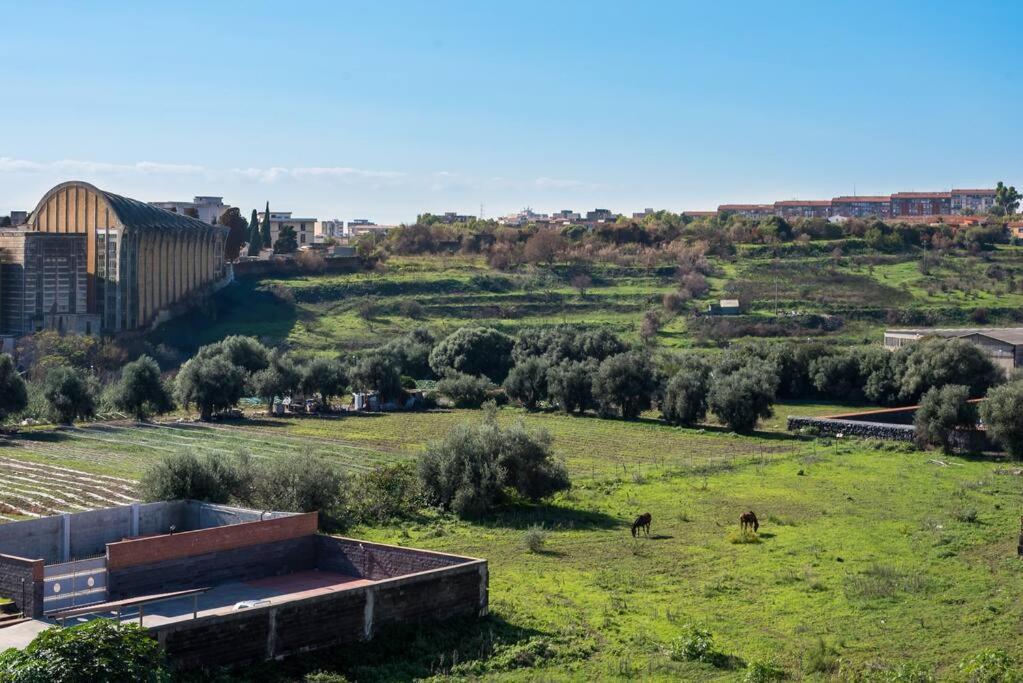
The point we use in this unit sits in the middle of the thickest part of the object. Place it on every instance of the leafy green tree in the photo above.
(527, 382)
(299, 483)
(287, 240)
(140, 390)
(264, 228)
(742, 397)
(237, 230)
(279, 378)
(937, 362)
(13, 391)
(838, 376)
(474, 351)
(211, 382)
(98, 650)
(245, 352)
(685, 395)
(570, 385)
(255, 238)
(1002, 414)
(1006, 198)
(625, 384)
(187, 476)
(941, 412)
(377, 372)
(69, 395)
(326, 377)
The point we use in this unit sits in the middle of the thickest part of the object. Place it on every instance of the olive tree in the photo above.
(1002, 414)
(140, 391)
(744, 396)
(527, 382)
(941, 412)
(69, 395)
(211, 383)
(625, 384)
(685, 395)
(474, 351)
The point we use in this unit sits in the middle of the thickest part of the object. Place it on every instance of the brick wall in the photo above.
(158, 549)
(21, 580)
(344, 617)
(245, 563)
(377, 561)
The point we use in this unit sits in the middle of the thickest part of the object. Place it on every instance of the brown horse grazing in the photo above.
(642, 522)
(748, 520)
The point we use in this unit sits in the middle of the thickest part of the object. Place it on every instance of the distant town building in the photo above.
(304, 227)
(450, 217)
(803, 208)
(724, 307)
(748, 210)
(524, 217)
(1015, 229)
(17, 218)
(89, 261)
(975, 201)
(861, 206)
(598, 215)
(643, 214)
(363, 226)
(207, 209)
(1003, 345)
(921, 203)
(331, 229)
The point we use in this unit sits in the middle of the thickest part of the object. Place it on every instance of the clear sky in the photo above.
(385, 109)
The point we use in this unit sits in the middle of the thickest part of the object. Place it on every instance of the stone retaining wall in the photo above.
(864, 430)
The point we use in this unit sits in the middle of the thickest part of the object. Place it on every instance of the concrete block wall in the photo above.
(35, 539)
(90, 531)
(201, 570)
(376, 560)
(21, 580)
(330, 619)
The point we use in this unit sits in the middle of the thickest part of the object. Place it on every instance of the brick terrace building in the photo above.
(977, 201)
(921, 203)
(861, 207)
(749, 210)
(802, 208)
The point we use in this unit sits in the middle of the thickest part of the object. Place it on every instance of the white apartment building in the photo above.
(208, 209)
(305, 228)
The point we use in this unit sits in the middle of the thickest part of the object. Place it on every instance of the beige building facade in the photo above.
(139, 259)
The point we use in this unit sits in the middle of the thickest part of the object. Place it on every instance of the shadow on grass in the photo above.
(525, 515)
(403, 653)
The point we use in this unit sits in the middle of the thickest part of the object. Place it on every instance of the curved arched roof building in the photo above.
(140, 259)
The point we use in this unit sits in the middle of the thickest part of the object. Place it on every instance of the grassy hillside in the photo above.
(884, 555)
(862, 293)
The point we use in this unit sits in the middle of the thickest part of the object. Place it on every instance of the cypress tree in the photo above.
(255, 238)
(265, 230)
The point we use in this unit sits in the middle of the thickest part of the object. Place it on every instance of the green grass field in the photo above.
(885, 554)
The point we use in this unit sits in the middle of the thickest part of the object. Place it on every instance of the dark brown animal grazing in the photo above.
(642, 522)
(748, 520)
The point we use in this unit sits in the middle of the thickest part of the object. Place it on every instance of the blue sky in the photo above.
(386, 109)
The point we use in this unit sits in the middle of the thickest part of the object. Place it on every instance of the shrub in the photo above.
(763, 672)
(685, 395)
(13, 390)
(186, 476)
(570, 385)
(694, 644)
(386, 493)
(535, 538)
(140, 391)
(527, 382)
(941, 412)
(99, 650)
(470, 469)
(990, 666)
(310, 261)
(69, 395)
(474, 351)
(297, 483)
(741, 398)
(465, 391)
(822, 658)
(1002, 413)
(625, 384)
(937, 362)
